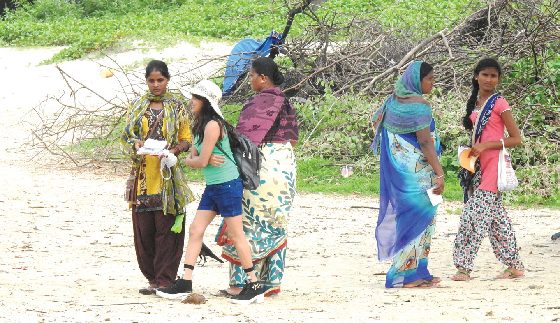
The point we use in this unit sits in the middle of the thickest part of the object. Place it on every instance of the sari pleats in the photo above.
(405, 209)
(411, 263)
(266, 209)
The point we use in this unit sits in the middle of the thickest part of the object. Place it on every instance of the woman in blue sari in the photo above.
(409, 148)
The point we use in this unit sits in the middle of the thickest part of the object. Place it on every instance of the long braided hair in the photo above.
(471, 102)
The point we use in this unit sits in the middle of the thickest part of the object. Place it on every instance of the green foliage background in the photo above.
(335, 131)
(87, 26)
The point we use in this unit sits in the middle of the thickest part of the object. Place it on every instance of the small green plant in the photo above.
(316, 174)
(454, 211)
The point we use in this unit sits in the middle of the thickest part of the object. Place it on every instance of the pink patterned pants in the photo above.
(484, 214)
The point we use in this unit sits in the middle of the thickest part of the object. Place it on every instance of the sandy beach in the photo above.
(67, 252)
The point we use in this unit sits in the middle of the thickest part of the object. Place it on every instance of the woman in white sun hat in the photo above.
(222, 195)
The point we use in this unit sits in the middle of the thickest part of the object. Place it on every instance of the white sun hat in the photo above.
(207, 89)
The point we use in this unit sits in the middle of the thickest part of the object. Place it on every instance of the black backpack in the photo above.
(248, 160)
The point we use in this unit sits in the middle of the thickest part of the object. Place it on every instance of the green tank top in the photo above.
(227, 172)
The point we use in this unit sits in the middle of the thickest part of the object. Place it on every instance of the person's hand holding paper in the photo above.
(466, 160)
(152, 147)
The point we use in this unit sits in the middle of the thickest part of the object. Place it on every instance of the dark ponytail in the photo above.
(471, 103)
(278, 78)
(267, 67)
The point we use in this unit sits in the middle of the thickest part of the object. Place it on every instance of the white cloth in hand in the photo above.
(168, 160)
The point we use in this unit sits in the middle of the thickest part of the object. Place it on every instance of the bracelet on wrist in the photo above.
(440, 176)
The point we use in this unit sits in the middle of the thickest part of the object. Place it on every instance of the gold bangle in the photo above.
(440, 176)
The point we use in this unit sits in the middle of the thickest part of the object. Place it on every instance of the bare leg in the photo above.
(237, 236)
(234, 290)
(196, 232)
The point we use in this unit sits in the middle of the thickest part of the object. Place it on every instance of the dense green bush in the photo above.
(337, 128)
(334, 131)
(338, 131)
(92, 25)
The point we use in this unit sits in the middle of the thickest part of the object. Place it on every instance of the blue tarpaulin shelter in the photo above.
(242, 54)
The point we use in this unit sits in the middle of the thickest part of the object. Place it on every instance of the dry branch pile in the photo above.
(353, 56)
(360, 56)
(91, 121)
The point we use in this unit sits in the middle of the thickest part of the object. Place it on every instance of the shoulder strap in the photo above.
(476, 122)
(219, 146)
(133, 171)
(483, 117)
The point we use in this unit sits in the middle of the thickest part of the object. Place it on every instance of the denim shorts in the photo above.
(225, 199)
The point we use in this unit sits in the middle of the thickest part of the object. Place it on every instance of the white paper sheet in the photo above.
(434, 198)
(152, 147)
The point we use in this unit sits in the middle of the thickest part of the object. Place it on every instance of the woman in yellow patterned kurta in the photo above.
(157, 215)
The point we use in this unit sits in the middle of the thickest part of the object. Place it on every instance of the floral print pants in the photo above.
(485, 213)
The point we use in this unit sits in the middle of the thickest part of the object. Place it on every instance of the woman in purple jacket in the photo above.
(269, 120)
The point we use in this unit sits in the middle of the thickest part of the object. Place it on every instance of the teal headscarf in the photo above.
(405, 111)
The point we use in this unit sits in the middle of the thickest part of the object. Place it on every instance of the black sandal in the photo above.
(150, 290)
(223, 293)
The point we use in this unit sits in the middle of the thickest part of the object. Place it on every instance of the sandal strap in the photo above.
(463, 272)
(509, 271)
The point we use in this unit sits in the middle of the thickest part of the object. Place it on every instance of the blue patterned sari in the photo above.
(406, 216)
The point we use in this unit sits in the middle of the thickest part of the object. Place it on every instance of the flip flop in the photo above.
(457, 277)
(223, 293)
(423, 284)
(434, 280)
(510, 276)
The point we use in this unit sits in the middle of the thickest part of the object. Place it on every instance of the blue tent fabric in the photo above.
(242, 54)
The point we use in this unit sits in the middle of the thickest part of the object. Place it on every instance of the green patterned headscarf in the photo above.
(176, 193)
(405, 111)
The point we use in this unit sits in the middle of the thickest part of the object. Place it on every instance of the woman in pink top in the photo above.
(488, 115)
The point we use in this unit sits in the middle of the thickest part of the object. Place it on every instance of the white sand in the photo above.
(67, 253)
